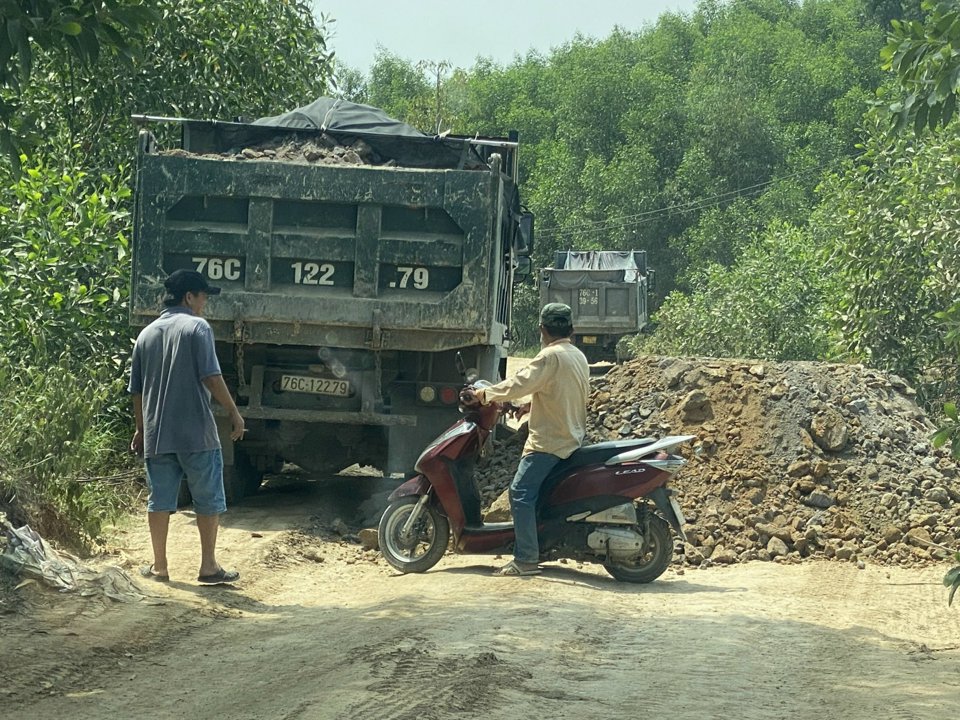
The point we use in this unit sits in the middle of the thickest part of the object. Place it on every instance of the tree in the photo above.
(892, 220)
(68, 32)
(925, 56)
(209, 60)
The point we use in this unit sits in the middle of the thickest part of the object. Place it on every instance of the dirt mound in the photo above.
(320, 150)
(791, 461)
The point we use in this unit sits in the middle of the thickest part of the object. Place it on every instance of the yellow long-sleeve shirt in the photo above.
(558, 379)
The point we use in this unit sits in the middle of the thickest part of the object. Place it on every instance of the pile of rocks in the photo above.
(791, 460)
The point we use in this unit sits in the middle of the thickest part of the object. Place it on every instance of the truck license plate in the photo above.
(316, 386)
(589, 339)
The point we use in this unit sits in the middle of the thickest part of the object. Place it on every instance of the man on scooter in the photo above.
(558, 381)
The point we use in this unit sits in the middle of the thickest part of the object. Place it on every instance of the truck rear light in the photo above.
(449, 395)
(428, 394)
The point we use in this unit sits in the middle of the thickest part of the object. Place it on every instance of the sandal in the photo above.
(220, 577)
(147, 571)
(515, 569)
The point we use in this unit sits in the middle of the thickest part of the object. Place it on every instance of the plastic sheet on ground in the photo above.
(29, 555)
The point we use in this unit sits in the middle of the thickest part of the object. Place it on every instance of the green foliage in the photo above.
(56, 437)
(73, 31)
(220, 60)
(63, 323)
(892, 218)
(769, 305)
(64, 257)
(949, 431)
(925, 56)
(685, 139)
(952, 580)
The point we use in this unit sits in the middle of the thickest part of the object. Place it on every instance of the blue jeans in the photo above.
(203, 472)
(524, 491)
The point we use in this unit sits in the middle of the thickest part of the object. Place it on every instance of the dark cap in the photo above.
(555, 314)
(180, 282)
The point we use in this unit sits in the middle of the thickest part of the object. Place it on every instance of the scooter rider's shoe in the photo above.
(518, 569)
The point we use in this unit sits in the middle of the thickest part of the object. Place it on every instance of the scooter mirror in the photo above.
(471, 376)
(461, 366)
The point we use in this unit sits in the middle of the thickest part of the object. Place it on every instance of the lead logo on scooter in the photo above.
(632, 471)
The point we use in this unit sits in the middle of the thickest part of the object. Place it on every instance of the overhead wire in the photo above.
(622, 222)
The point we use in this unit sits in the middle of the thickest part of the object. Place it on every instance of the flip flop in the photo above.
(514, 569)
(147, 571)
(220, 577)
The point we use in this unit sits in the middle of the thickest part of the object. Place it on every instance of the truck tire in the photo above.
(240, 479)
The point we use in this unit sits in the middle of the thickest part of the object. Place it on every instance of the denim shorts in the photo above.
(203, 472)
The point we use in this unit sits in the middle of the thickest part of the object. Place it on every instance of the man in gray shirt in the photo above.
(174, 373)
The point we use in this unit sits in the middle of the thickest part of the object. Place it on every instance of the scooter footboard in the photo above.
(417, 485)
(669, 509)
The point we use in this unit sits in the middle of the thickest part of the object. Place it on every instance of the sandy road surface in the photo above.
(318, 628)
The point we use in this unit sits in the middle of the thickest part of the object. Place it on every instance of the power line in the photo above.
(689, 206)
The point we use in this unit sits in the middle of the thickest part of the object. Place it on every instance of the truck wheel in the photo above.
(240, 479)
(423, 546)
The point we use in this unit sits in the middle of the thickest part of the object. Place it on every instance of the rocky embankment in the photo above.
(791, 460)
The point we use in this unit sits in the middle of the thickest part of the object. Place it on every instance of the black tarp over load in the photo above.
(343, 123)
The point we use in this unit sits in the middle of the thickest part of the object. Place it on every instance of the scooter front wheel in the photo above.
(655, 559)
(418, 549)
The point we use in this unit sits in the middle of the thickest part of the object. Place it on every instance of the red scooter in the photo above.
(607, 503)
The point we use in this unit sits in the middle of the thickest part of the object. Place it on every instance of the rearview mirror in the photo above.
(523, 240)
(522, 269)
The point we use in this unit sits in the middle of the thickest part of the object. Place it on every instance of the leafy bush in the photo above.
(64, 273)
(768, 305)
(56, 437)
(63, 323)
(894, 222)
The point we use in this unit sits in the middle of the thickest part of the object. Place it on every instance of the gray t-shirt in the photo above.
(172, 356)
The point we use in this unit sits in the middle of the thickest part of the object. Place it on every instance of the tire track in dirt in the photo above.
(346, 637)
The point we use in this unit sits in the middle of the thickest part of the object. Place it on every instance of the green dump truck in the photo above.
(607, 293)
(357, 257)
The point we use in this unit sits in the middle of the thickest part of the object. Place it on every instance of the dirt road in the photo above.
(319, 628)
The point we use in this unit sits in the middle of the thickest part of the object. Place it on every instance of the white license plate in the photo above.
(314, 385)
(589, 339)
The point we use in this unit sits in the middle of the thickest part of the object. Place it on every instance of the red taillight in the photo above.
(449, 395)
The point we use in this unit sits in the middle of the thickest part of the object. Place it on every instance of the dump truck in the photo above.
(607, 293)
(357, 258)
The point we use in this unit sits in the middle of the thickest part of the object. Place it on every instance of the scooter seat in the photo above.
(597, 454)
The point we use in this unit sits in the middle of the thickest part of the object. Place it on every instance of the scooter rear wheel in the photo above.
(655, 559)
(421, 548)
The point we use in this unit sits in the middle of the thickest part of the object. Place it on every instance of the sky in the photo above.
(458, 32)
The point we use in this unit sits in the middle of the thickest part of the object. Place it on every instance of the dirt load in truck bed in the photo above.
(322, 150)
